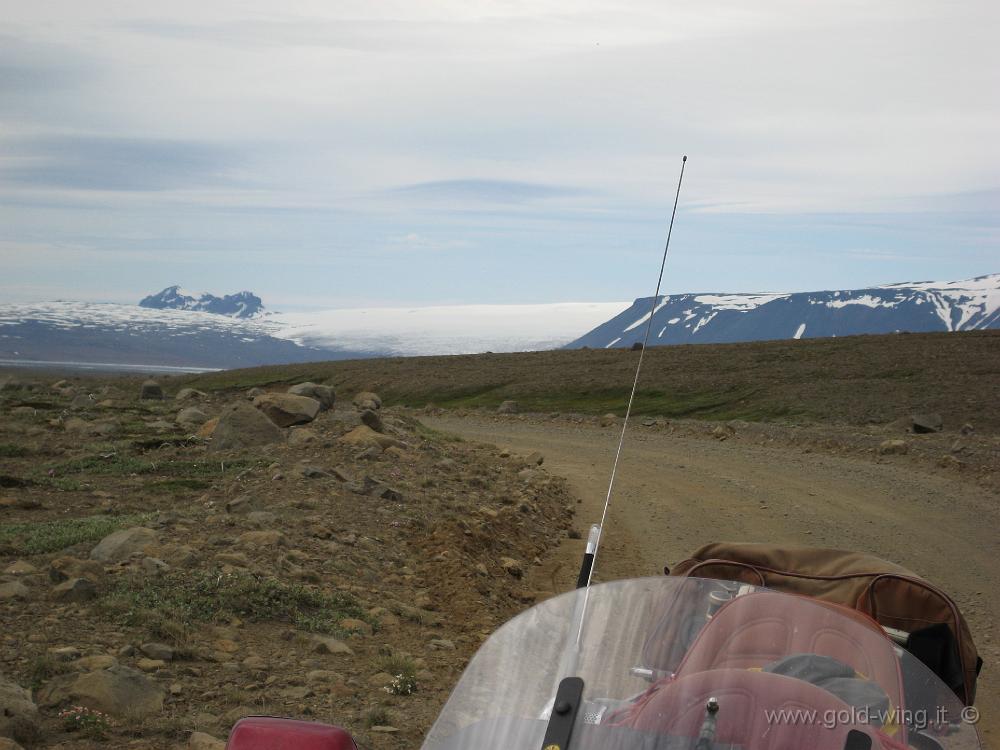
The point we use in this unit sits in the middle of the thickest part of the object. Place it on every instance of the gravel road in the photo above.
(674, 494)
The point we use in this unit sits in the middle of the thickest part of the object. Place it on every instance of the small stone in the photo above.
(924, 423)
(893, 448)
(190, 394)
(367, 400)
(441, 644)
(153, 566)
(191, 417)
(150, 665)
(322, 393)
(508, 407)
(536, 459)
(151, 390)
(300, 436)
(63, 568)
(14, 590)
(83, 401)
(93, 663)
(121, 545)
(159, 651)
(75, 590)
(325, 644)
(226, 646)
(65, 653)
(19, 568)
(512, 567)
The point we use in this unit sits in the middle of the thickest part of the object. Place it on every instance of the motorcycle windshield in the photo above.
(678, 664)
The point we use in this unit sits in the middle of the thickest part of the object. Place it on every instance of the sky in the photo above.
(330, 153)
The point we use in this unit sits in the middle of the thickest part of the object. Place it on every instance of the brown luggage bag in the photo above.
(890, 594)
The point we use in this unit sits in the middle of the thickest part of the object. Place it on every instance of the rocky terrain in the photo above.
(857, 382)
(172, 560)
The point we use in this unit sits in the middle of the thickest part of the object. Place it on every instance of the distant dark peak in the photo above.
(240, 305)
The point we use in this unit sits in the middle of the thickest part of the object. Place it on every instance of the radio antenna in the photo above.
(594, 540)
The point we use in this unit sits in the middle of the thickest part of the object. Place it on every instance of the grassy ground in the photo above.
(855, 380)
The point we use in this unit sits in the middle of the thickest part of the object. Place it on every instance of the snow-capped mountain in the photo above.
(725, 318)
(239, 305)
(132, 337)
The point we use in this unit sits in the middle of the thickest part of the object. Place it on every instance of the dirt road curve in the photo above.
(674, 494)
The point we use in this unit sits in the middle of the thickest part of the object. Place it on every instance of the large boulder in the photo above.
(151, 390)
(119, 691)
(121, 545)
(285, 409)
(244, 427)
(18, 713)
(367, 400)
(322, 393)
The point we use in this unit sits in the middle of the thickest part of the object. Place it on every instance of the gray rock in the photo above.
(64, 568)
(119, 691)
(75, 590)
(14, 590)
(121, 545)
(255, 392)
(160, 651)
(893, 448)
(923, 423)
(301, 436)
(285, 409)
(512, 567)
(151, 390)
(367, 400)
(536, 459)
(325, 644)
(508, 407)
(83, 401)
(190, 394)
(153, 566)
(18, 713)
(202, 741)
(322, 393)
(372, 419)
(244, 427)
(191, 417)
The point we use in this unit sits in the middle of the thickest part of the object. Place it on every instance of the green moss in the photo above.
(51, 536)
(205, 596)
(9, 450)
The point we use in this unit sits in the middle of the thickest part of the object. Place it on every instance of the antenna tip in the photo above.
(685, 158)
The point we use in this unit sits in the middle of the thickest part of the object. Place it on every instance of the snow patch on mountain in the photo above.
(721, 318)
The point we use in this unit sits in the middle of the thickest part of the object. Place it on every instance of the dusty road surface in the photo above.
(674, 494)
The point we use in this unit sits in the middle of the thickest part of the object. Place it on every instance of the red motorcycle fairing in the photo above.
(271, 733)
